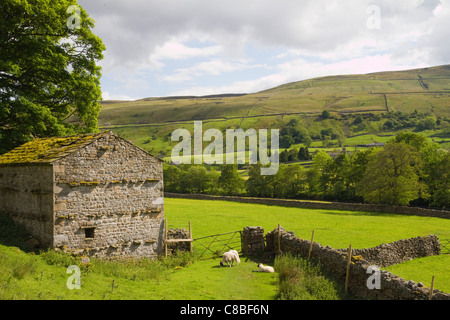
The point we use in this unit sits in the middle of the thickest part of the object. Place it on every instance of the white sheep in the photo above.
(229, 258)
(237, 255)
(263, 268)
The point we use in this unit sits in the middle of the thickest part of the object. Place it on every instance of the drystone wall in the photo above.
(391, 286)
(386, 255)
(26, 195)
(253, 241)
(109, 200)
(178, 233)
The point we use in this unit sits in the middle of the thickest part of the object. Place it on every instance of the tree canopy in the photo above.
(408, 170)
(392, 175)
(49, 78)
(230, 180)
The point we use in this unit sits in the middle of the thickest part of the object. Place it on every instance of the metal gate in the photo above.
(445, 246)
(217, 244)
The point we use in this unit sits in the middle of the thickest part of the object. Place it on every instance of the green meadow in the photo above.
(335, 228)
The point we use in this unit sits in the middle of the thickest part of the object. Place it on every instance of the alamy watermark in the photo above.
(374, 20)
(374, 281)
(74, 281)
(235, 147)
(74, 21)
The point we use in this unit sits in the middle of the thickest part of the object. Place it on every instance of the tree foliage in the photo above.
(49, 78)
(258, 185)
(392, 175)
(409, 170)
(230, 181)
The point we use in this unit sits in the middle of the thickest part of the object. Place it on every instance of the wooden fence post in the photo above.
(165, 237)
(432, 288)
(311, 245)
(279, 240)
(349, 261)
(190, 237)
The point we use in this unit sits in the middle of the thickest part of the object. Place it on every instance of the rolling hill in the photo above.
(426, 92)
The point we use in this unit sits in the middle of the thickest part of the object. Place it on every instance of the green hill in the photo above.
(417, 93)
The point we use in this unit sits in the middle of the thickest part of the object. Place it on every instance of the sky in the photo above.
(158, 48)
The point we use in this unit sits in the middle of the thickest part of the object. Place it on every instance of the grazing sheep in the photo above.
(263, 268)
(229, 258)
(237, 256)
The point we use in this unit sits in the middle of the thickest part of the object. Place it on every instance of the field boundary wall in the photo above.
(391, 287)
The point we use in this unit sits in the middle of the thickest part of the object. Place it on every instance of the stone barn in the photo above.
(95, 194)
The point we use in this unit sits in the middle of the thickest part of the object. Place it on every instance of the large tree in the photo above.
(318, 176)
(290, 182)
(392, 175)
(230, 180)
(441, 185)
(258, 185)
(49, 78)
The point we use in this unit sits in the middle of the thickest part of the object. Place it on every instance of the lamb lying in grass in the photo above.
(263, 268)
(229, 258)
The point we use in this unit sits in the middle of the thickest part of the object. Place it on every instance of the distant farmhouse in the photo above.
(95, 194)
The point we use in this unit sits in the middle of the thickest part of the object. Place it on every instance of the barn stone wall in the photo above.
(109, 200)
(108, 159)
(26, 194)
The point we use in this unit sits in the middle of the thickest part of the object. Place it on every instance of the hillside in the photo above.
(425, 92)
(421, 89)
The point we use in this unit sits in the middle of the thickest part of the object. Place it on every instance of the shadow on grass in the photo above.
(332, 211)
(359, 213)
(15, 235)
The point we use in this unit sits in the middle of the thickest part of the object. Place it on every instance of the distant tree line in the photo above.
(293, 132)
(295, 154)
(226, 180)
(408, 170)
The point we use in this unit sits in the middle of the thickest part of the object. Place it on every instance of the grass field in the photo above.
(24, 276)
(30, 277)
(43, 276)
(335, 228)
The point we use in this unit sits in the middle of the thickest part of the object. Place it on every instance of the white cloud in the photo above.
(172, 45)
(214, 67)
(109, 96)
(176, 50)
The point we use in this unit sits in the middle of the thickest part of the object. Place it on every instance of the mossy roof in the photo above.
(47, 150)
